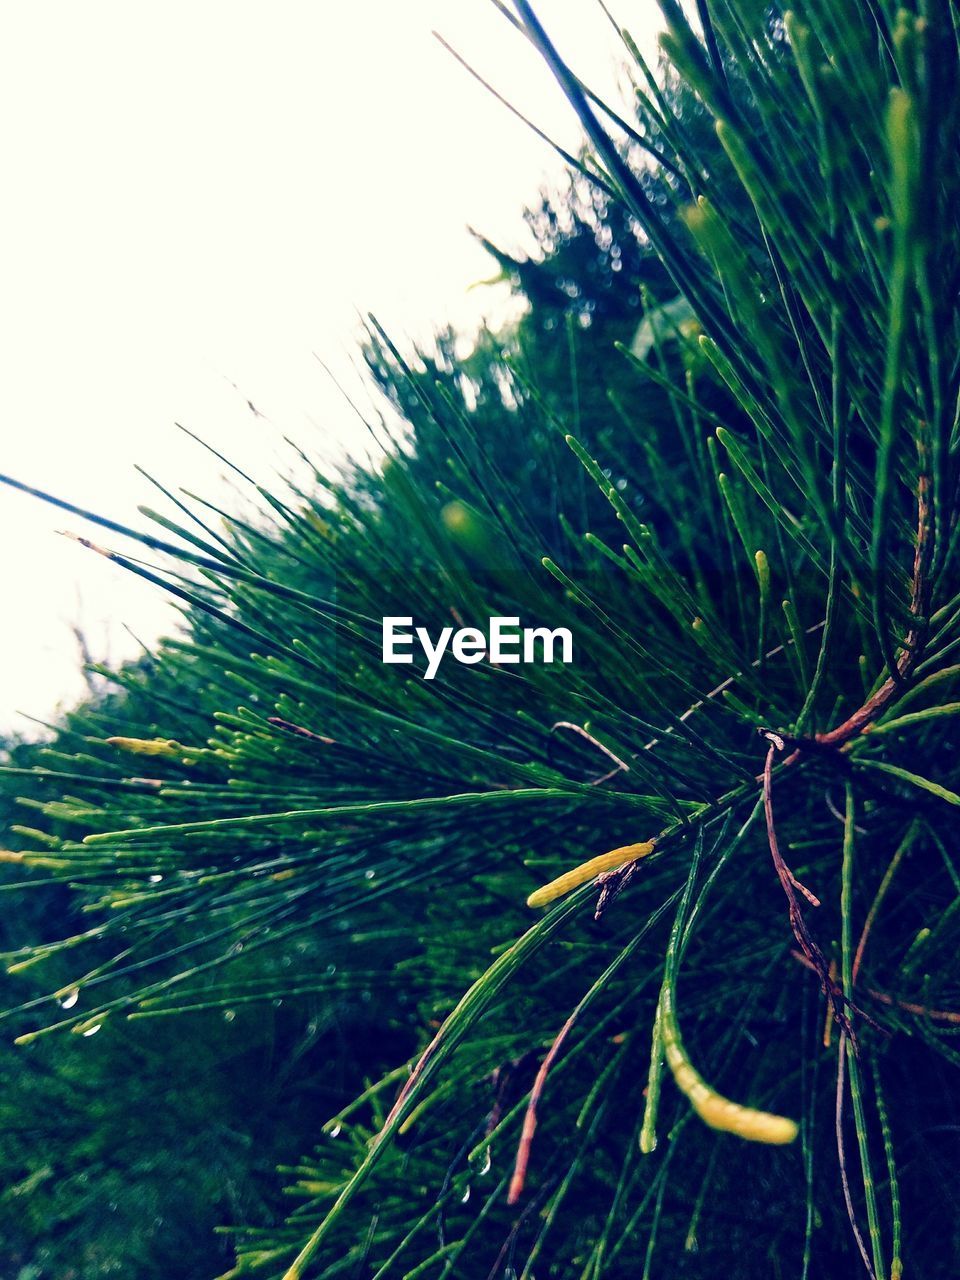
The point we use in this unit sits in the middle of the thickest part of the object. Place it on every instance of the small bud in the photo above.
(763, 575)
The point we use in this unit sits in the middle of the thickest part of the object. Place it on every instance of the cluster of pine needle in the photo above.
(723, 448)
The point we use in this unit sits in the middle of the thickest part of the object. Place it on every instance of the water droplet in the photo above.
(331, 970)
(466, 1195)
(369, 873)
(486, 1161)
(155, 879)
(229, 1015)
(336, 1130)
(70, 999)
(92, 1031)
(278, 1002)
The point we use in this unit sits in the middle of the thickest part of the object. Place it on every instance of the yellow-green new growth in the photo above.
(147, 746)
(589, 871)
(712, 1107)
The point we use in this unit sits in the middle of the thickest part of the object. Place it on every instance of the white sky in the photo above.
(200, 198)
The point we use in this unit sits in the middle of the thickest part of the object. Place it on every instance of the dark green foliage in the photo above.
(126, 1149)
(751, 525)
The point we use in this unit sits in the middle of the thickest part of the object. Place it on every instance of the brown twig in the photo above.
(791, 885)
(828, 1018)
(612, 884)
(299, 729)
(578, 729)
(920, 1010)
(429, 1052)
(505, 1087)
(731, 680)
(530, 1117)
(895, 1002)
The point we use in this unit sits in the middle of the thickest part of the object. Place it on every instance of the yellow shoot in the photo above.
(589, 871)
(147, 746)
(712, 1107)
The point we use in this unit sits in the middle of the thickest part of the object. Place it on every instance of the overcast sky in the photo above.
(200, 198)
